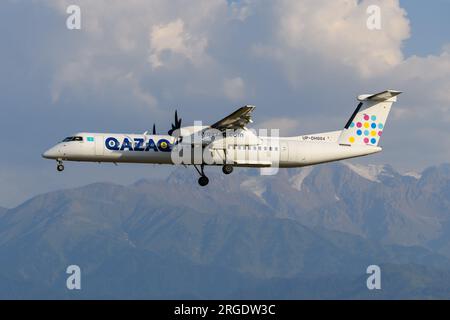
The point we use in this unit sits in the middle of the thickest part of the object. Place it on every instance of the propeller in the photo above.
(154, 129)
(177, 124)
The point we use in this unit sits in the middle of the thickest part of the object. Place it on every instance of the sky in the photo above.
(302, 63)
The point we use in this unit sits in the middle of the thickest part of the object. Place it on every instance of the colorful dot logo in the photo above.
(367, 130)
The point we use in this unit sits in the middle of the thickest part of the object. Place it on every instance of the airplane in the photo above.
(229, 143)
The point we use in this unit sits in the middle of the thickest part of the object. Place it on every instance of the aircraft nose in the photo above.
(51, 153)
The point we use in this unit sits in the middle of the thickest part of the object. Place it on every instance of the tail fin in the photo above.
(367, 122)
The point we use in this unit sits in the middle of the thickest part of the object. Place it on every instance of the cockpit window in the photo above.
(69, 139)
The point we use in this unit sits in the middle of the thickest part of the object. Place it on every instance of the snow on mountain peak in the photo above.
(255, 186)
(370, 172)
(297, 180)
(413, 174)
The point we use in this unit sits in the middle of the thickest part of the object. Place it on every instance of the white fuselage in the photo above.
(283, 152)
(229, 143)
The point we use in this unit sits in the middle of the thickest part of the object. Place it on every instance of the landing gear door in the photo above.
(284, 152)
(99, 145)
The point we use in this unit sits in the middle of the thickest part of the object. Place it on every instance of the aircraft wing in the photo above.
(237, 120)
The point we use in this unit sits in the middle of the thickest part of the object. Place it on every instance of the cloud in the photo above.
(159, 51)
(234, 89)
(325, 46)
(241, 10)
(287, 126)
(174, 38)
(136, 37)
(335, 33)
(426, 78)
(155, 52)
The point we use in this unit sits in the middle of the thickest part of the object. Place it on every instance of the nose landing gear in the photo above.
(203, 180)
(60, 166)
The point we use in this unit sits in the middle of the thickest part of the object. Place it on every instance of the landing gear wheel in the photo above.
(227, 169)
(203, 181)
(60, 167)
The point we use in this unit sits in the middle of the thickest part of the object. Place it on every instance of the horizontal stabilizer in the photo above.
(382, 96)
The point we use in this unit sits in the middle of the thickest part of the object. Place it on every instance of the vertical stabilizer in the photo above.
(366, 125)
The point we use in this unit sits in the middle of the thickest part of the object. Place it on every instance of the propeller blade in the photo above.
(154, 129)
(177, 124)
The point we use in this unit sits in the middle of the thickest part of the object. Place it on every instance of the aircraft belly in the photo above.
(124, 156)
(325, 152)
(140, 157)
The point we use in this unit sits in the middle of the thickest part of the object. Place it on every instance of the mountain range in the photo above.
(302, 233)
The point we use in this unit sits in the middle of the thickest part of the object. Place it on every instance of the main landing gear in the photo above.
(59, 166)
(227, 169)
(203, 180)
